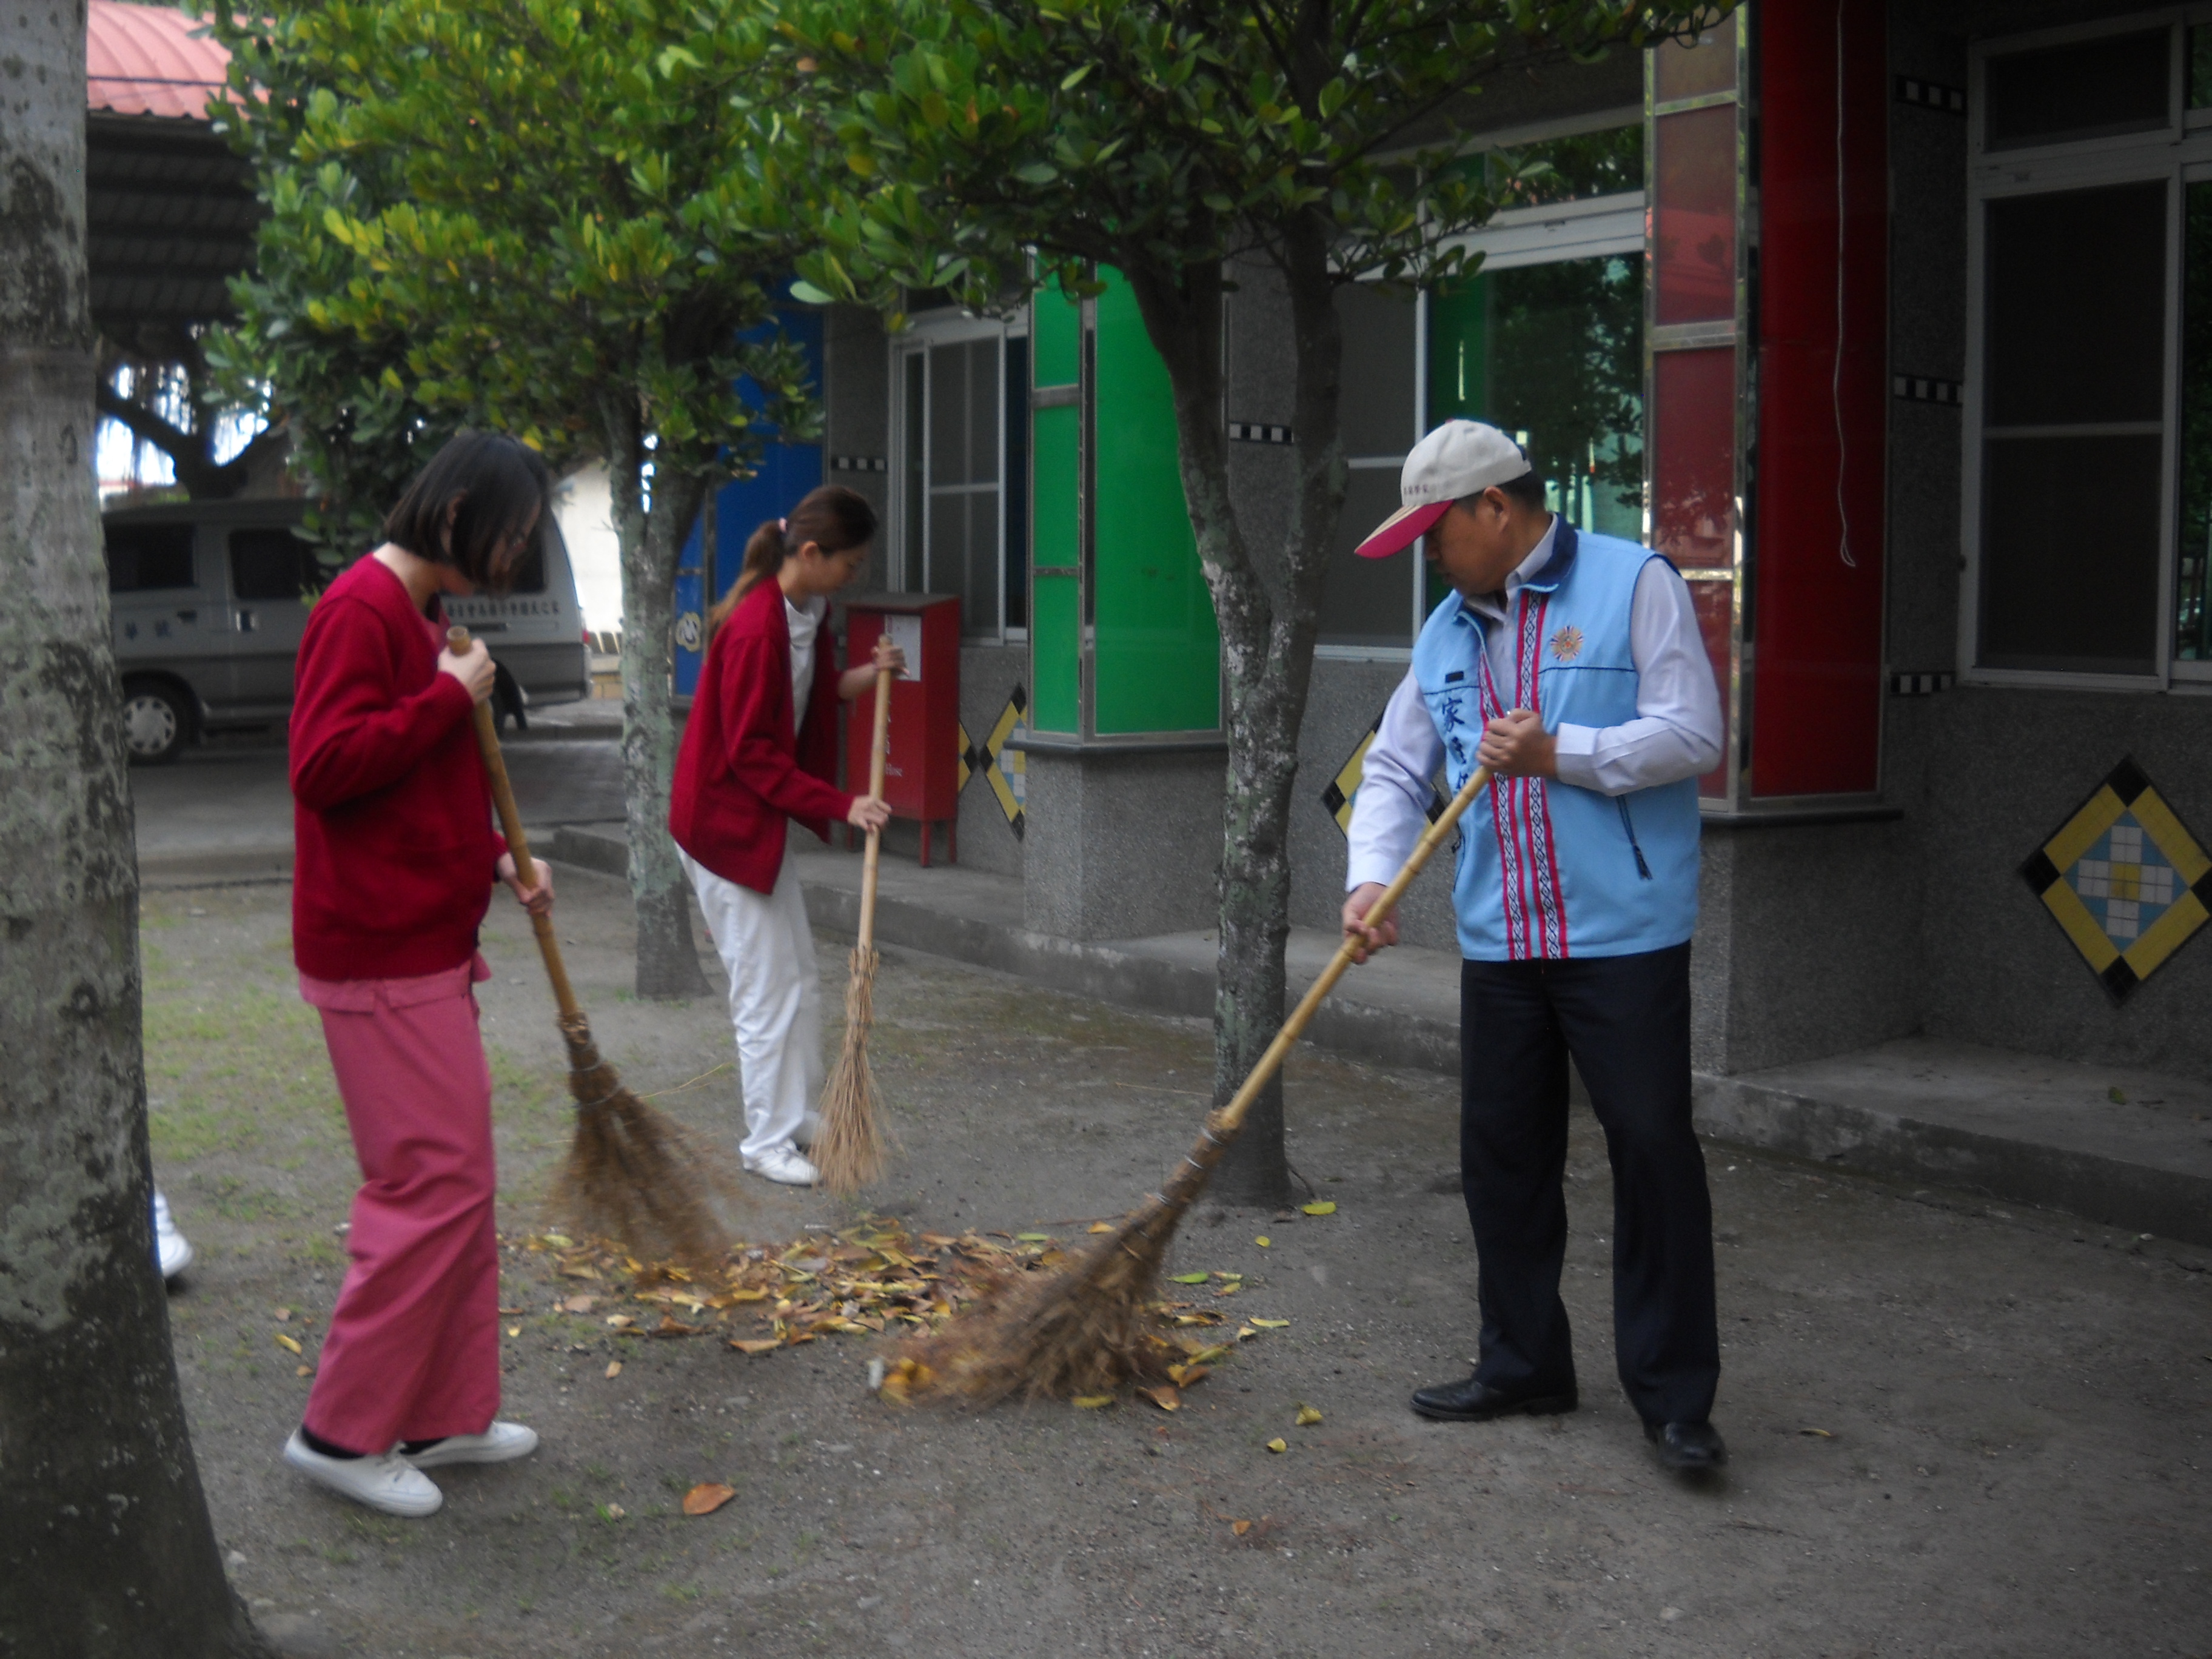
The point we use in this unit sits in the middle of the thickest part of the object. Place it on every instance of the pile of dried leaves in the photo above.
(871, 1279)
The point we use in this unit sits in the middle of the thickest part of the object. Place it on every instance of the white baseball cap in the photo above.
(1459, 459)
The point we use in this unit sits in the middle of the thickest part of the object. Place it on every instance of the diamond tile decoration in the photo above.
(2125, 879)
(968, 760)
(1336, 800)
(1006, 770)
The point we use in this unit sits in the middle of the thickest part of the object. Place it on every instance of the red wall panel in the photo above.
(1819, 504)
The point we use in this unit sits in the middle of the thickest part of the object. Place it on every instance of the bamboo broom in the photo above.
(850, 1150)
(1084, 1330)
(633, 1174)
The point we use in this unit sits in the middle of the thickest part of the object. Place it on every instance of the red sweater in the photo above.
(394, 854)
(747, 764)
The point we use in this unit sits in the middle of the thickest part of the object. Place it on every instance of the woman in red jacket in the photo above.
(760, 748)
(393, 866)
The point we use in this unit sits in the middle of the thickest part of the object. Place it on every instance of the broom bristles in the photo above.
(852, 1147)
(635, 1175)
(1083, 1330)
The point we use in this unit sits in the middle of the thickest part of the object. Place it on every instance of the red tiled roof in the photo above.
(149, 60)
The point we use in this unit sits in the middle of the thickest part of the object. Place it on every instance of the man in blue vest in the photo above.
(1570, 664)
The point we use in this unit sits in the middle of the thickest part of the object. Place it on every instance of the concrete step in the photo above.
(2129, 1149)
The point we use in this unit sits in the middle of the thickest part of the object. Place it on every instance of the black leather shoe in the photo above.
(1478, 1402)
(1687, 1448)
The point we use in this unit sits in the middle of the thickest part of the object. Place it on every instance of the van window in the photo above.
(530, 574)
(149, 555)
(268, 564)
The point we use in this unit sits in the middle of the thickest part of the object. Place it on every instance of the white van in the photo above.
(209, 598)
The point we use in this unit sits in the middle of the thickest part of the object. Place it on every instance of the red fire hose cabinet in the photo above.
(921, 777)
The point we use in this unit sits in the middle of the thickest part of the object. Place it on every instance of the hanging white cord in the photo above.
(1836, 380)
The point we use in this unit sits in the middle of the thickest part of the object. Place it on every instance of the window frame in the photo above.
(2180, 154)
(930, 329)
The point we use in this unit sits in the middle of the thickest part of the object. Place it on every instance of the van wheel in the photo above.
(155, 722)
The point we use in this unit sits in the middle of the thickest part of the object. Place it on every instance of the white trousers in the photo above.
(776, 1000)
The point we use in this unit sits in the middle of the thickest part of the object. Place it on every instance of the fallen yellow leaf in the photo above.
(1185, 1374)
(1824, 1434)
(613, 1368)
(1240, 1528)
(1230, 1289)
(1187, 1278)
(284, 1315)
(1092, 1402)
(557, 1242)
(1322, 1206)
(747, 1296)
(1243, 1331)
(1033, 1238)
(514, 1330)
(764, 1344)
(1262, 1240)
(580, 1304)
(1101, 1226)
(1270, 1324)
(1165, 1397)
(284, 1341)
(305, 1370)
(707, 1497)
(1307, 1417)
(620, 1321)
(1279, 1445)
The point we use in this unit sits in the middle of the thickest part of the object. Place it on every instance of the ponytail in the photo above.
(835, 519)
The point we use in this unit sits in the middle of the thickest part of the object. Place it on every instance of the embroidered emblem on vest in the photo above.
(1567, 644)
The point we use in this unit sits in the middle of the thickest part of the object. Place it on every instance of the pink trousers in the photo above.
(413, 1348)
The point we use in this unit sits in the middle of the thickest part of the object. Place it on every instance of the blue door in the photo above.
(788, 471)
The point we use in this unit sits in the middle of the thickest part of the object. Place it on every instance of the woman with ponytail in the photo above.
(760, 749)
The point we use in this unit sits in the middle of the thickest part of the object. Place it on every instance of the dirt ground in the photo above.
(1955, 1430)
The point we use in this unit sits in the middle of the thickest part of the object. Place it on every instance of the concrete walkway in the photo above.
(2123, 1148)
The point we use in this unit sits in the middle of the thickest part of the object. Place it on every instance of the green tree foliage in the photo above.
(1286, 146)
(559, 220)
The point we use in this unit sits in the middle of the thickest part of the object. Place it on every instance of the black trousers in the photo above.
(1626, 1021)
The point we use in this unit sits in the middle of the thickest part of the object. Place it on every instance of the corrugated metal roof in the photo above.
(149, 60)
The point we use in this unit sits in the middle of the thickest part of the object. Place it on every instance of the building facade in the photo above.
(1890, 324)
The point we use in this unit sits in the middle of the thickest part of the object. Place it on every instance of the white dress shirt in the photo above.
(1676, 733)
(805, 624)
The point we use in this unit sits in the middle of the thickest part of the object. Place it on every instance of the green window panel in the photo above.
(1056, 337)
(1055, 656)
(1157, 650)
(1057, 477)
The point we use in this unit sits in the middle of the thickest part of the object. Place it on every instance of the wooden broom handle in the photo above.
(510, 821)
(876, 756)
(1231, 1116)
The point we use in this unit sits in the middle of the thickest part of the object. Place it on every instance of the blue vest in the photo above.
(1545, 869)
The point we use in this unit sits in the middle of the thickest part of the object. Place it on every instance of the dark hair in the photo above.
(1528, 489)
(496, 488)
(835, 519)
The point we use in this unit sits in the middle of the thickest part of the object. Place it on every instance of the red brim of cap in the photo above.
(1407, 524)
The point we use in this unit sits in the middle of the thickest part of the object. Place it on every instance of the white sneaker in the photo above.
(785, 1165)
(172, 1249)
(500, 1443)
(383, 1482)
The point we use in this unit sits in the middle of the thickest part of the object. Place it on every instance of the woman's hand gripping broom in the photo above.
(633, 1174)
(1084, 1330)
(849, 1150)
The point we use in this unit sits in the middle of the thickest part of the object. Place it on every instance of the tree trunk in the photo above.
(106, 1547)
(1268, 619)
(667, 958)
